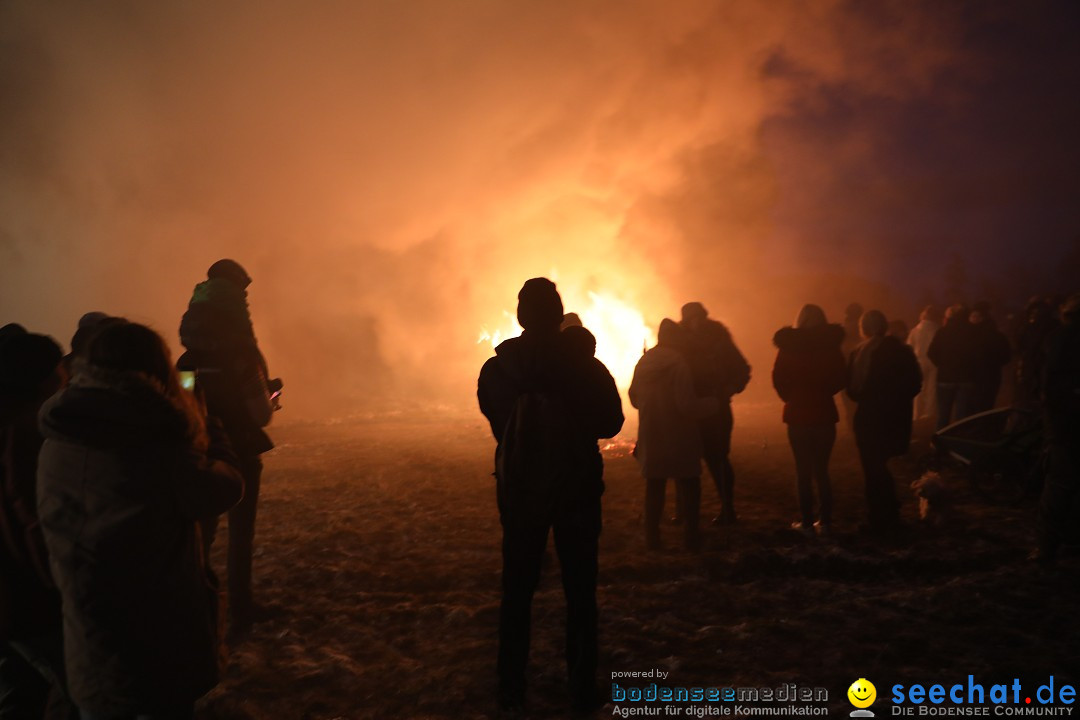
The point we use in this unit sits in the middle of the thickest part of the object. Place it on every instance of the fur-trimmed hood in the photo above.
(105, 409)
(791, 339)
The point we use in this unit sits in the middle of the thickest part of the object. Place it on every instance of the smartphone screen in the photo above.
(187, 380)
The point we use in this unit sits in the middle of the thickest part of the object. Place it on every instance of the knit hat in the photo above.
(539, 305)
(229, 270)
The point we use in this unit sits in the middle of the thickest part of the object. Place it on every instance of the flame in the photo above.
(620, 330)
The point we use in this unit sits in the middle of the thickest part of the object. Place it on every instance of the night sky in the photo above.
(390, 173)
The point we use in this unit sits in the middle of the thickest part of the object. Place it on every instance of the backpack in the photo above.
(533, 461)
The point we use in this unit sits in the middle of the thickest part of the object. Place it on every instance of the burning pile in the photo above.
(620, 330)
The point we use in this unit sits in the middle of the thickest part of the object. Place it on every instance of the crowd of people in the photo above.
(117, 463)
(547, 412)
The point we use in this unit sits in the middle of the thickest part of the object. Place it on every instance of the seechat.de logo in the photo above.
(862, 694)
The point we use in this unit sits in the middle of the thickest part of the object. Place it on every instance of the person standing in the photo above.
(919, 340)
(953, 353)
(31, 629)
(669, 443)
(1059, 505)
(547, 405)
(991, 353)
(126, 470)
(809, 370)
(720, 371)
(217, 334)
(883, 379)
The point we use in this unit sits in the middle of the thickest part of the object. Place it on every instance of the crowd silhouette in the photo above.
(118, 463)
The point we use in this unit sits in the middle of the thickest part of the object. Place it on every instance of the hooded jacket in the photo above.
(120, 488)
(953, 350)
(217, 333)
(546, 363)
(718, 368)
(669, 442)
(809, 370)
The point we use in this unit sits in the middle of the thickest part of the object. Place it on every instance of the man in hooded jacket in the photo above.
(547, 406)
(217, 333)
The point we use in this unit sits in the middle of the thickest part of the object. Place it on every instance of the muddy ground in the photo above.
(378, 564)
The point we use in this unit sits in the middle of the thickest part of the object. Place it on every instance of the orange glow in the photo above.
(620, 330)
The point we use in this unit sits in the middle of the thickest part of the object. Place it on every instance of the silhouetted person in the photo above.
(720, 371)
(919, 340)
(852, 314)
(669, 442)
(221, 347)
(570, 319)
(1059, 507)
(547, 406)
(1032, 348)
(31, 631)
(11, 330)
(124, 474)
(992, 353)
(809, 370)
(883, 378)
(580, 341)
(89, 324)
(953, 353)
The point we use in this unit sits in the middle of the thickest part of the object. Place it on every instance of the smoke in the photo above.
(390, 173)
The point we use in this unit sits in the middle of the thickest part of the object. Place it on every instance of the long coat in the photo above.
(669, 442)
(120, 488)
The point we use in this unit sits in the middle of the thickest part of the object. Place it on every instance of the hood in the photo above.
(826, 337)
(108, 409)
(656, 364)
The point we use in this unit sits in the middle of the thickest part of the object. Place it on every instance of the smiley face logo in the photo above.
(862, 693)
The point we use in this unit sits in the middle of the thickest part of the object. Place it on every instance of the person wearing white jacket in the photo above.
(669, 444)
(919, 340)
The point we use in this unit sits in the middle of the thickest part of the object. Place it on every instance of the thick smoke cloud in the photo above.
(390, 172)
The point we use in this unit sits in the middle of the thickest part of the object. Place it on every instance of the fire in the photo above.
(620, 331)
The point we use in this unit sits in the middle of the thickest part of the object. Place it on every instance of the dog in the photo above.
(935, 503)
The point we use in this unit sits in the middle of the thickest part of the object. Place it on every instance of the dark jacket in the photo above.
(582, 386)
(809, 370)
(883, 417)
(29, 600)
(1061, 381)
(992, 352)
(669, 442)
(120, 488)
(953, 351)
(217, 334)
(718, 368)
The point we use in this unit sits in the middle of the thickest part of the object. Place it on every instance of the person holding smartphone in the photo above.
(218, 336)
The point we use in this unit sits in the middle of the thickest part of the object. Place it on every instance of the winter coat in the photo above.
(119, 491)
(718, 368)
(992, 352)
(669, 442)
(1061, 380)
(808, 371)
(921, 336)
(884, 395)
(29, 600)
(581, 387)
(217, 333)
(953, 352)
